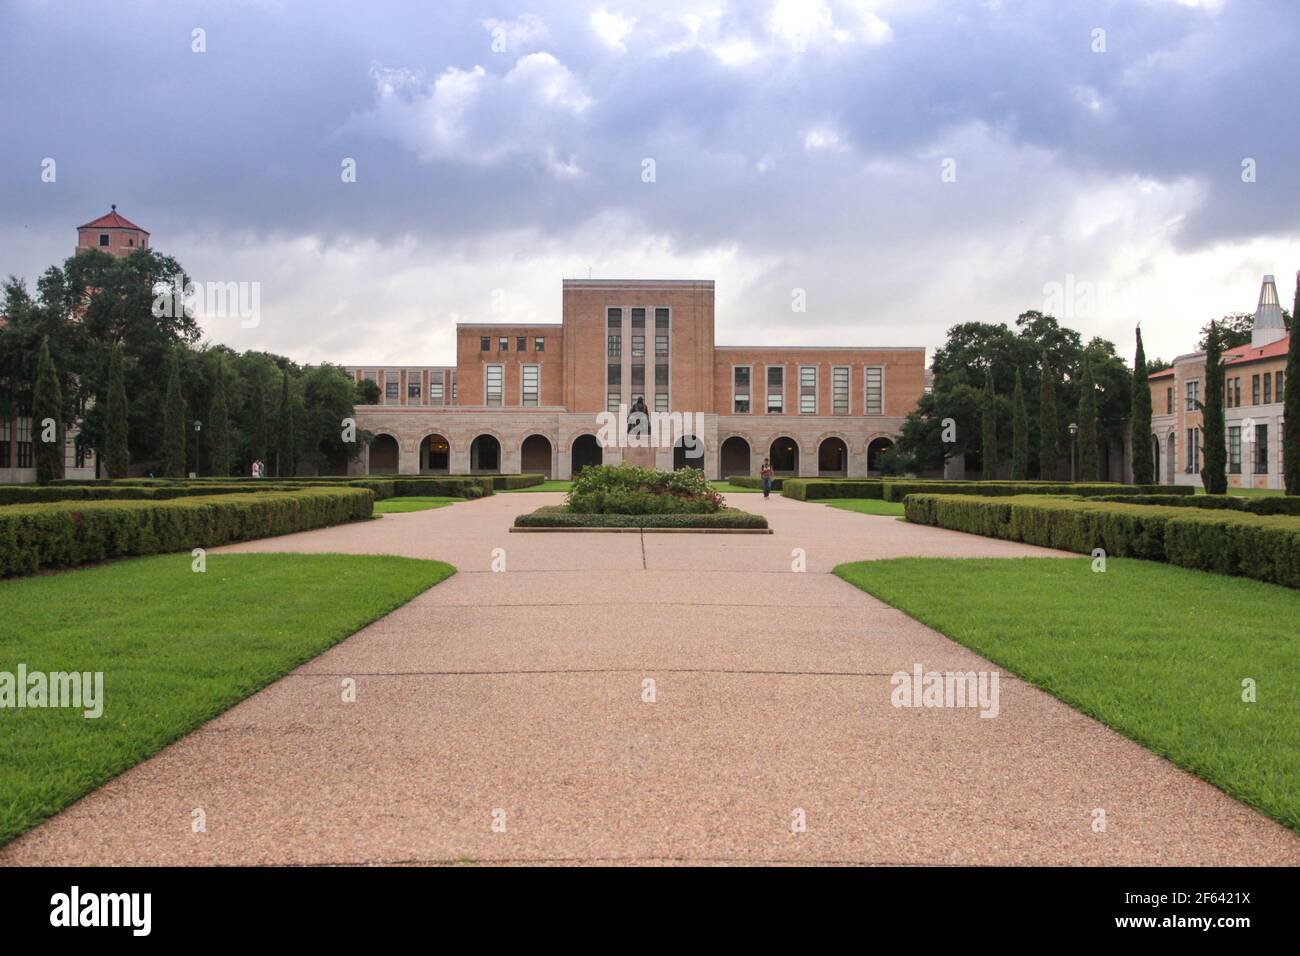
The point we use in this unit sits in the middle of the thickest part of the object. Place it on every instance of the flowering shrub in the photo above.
(625, 489)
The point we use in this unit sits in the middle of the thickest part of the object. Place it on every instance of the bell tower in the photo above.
(113, 233)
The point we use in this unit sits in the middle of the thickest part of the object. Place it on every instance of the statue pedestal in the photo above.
(640, 457)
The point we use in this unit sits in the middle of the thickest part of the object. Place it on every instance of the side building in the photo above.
(539, 397)
(1254, 377)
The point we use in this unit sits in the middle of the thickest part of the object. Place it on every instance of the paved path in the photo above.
(522, 691)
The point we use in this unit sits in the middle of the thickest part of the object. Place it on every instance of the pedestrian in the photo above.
(766, 472)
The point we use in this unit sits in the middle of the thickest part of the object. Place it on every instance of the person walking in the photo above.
(766, 473)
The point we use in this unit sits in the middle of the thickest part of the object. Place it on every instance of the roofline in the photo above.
(640, 283)
(509, 325)
(819, 348)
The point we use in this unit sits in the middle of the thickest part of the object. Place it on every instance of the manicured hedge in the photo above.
(30, 494)
(1266, 548)
(1269, 505)
(514, 482)
(555, 516)
(898, 490)
(748, 481)
(815, 489)
(64, 533)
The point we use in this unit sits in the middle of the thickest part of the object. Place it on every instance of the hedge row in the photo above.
(153, 489)
(60, 534)
(898, 490)
(31, 494)
(748, 481)
(1270, 505)
(1266, 548)
(555, 516)
(815, 489)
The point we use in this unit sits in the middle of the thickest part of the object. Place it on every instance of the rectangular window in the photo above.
(614, 374)
(638, 319)
(103, 241)
(390, 391)
(614, 318)
(485, 344)
(1261, 449)
(1227, 393)
(776, 390)
(4, 442)
(638, 345)
(1281, 395)
(614, 348)
(1169, 401)
(1254, 390)
(24, 438)
(661, 343)
(539, 344)
(661, 401)
(840, 390)
(807, 390)
(1193, 395)
(875, 403)
(503, 343)
(661, 319)
(413, 391)
(1193, 452)
(638, 377)
(453, 388)
(740, 390)
(661, 376)
(494, 383)
(612, 401)
(521, 343)
(1268, 388)
(530, 377)
(1236, 392)
(1234, 450)
(435, 391)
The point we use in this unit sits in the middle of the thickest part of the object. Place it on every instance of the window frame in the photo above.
(523, 385)
(866, 389)
(501, 385)
(803, 409)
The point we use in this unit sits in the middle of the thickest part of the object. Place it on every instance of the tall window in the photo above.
(807, 390)
(613, 386)
(638, 345)
(4, 441)
(875, 404)
(390, 391)
(776, 390)
(740, 390)
(1261, 449)
(615, 345)
(521, 343)
(530, 377)
(503, 343)
(1268, 388)
(485, 344)
(1234, 450)
(1193, 452)
(539, 344)
(1169, 401)
(1236, 392)
(1193, 394)
(413, 391)
(840, 390)
(495, 383)
(1227, 393)
(1277, 377)
(435, 388)
(24, 438)
(661, 401)
(1254, 390)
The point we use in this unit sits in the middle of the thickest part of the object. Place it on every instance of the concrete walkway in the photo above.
(522, 692)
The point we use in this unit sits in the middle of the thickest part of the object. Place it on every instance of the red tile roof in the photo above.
(1162, 374)
(1248, 353)
(114, 220)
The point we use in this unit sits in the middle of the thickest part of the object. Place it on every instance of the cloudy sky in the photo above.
(907, 163)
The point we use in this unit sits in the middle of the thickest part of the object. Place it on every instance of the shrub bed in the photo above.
(1225, 541)
(898, 490)
(30, 494)
(64, 533)
(433, 487)
(748, 481)
(816, 489)
(556, 516)
(627, 490)
(1272, 505)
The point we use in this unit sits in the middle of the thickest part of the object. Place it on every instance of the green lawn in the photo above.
(548, 485)
(1155, 651)
(176, 648)
(727, 488)
(414, 503)
(1250, 492)
(866, 506)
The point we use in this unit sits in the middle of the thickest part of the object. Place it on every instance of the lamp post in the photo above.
(198, 447)
(1074, 430)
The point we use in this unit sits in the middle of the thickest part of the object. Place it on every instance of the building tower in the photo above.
(113, 233)
(1268, 316)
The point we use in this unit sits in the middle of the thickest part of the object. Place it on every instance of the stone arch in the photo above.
(832, 456)
(485, 453)
(688, 452)
(877, 446)
(735, 456)
(584, 452)
(537, 454)
(435, 450)
(784, 454)
(385, 454)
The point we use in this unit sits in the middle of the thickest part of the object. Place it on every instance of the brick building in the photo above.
(533, 397)
(1254, 378)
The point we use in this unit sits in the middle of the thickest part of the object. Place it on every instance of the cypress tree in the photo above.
(989, 430)
(173, 429)
(1140, 419)
(219, 425)
(1214, 467)
(1049, 452)
(1019, 433)
(117, 456)
(47, 406)
(284, 463)
(1087, 423)
(257, 422)
(1291, 404)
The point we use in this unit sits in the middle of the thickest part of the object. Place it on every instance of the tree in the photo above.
(257, 422)
(989, 429)
(117, 454)
(1019, 433)
(285, 442)
(1087, 424)
(1214, 467)
(327, 397)
(47, 418)
(219, 425)
(1291, 407)
(1049, 426)
(1140, 419)
(174, 424)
